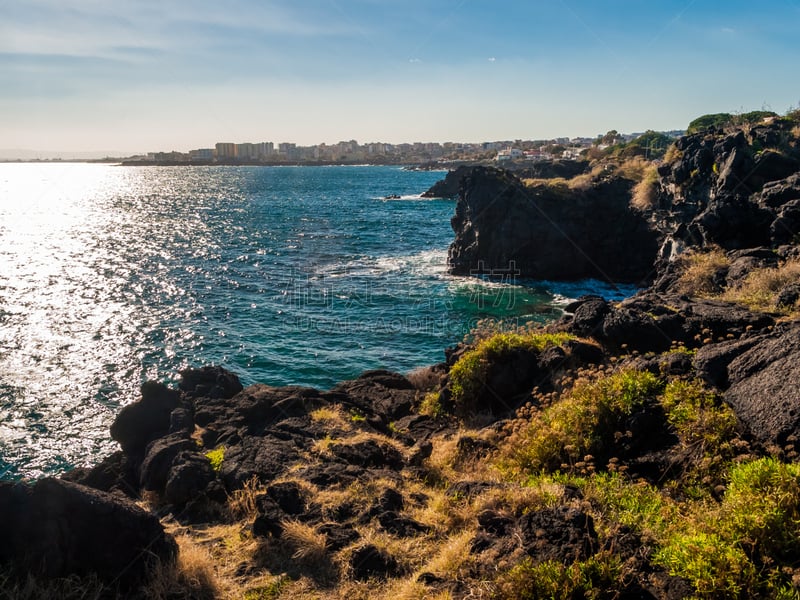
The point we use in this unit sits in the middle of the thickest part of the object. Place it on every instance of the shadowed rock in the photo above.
(56, 528)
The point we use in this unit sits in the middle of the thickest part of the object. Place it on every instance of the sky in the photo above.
(149, 75)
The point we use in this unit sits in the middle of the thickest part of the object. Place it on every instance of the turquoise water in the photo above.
(113, 275)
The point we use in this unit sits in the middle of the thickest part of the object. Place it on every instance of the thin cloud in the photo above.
(89, 28)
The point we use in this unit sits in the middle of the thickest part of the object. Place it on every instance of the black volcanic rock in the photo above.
(504, 229)
(729, 189)
(140, 423)
(448, 187)
(650, 322)
(210, 381)
(55, 528)
(763, 387)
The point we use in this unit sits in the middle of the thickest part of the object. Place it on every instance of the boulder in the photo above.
(370, 562)
(763, 386)
(188, 478)
(210, 382)
(55, 528)
(140, 423)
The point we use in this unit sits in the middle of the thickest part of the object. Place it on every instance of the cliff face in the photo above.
(549, 232)
(735, 190)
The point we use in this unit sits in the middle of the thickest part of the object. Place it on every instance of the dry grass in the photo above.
(193, 577)
(700, 271)
(443, 513)
(450, 561)
(554, 182)
(453, 554)
(450, 464)
(33, 588)
(635, 168)
(672, 154)
(646, 191)
(242, 503)
(309, 545)
(328, 415)
(760, 288)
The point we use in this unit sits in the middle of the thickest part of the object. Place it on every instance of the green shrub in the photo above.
(714, 567)
(215, 457)
(468, 375)
(553, 580)
(698, 416)
(706, 121)
(640, 506)
(431, 405)
(738, 549)
(762, 507)
(581, 423)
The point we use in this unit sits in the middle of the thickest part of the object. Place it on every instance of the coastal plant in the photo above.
(760, 289)
(701, 272)
(431, 405)
(713, 566)
(580, 424)
(742, 546)
(215, 457)
(699, 417)
(638, 505)
(552, 579)
(645, 192)
(761, 508)
(469, 374)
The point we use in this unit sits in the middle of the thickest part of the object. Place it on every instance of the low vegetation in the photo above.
(761, 287)
(470, 373)
(702, 273)
(574, 432)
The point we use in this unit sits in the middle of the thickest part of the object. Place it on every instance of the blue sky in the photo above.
(90, 75)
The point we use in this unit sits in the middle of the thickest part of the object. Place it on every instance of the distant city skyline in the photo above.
(93, 77)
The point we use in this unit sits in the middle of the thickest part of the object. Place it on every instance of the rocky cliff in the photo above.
(549, 232)
(736, 190)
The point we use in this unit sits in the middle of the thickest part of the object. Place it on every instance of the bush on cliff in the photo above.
(580, 426)
(470, 373)
(761, 288)
(748, 543)
(702, 272)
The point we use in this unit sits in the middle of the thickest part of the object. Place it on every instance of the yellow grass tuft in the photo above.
(328, 414)
(192, 577)
(310, 546)
(760, 288)
(646, 191)
(700, 270)
(242, 503)
(635, 168)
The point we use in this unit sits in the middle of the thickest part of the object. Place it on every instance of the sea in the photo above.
(113, 275)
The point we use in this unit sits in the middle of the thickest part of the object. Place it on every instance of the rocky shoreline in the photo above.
(624, 451)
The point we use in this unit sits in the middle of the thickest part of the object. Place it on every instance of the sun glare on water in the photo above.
(59, 324)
